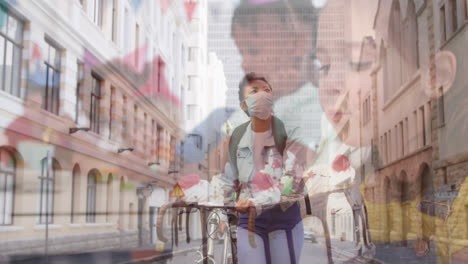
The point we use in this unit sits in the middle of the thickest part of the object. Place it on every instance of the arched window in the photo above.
(7, 183)
(410, 34)
(121, 203)
(75, 192)
(91, 197)
(46, 190)
(394, 49)
(109, 209)
(402, 58)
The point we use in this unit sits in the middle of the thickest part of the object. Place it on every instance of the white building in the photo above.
(116, 68)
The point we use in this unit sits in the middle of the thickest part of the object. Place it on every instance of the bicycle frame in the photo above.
(181, 207)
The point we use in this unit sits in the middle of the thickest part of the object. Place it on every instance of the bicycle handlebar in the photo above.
(176, 215)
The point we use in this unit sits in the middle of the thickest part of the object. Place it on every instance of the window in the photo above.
(402, 138)
(52, 64)
(121, 202)
(453, 14)
(394, 49)
(145, 130)
(124, 118)
(397, 142)
(390, 146)
(160, 72)
(443, 25)
(196, 140)
(465, 7)
(79, 87)
(182, 56)
(172, 154)
(94, 113)
(115, 21)
(423, 125)
(193, 54)
(126, 30)
(75, 192)
(153, 139)
(366, 110)
(46, 191)
(181, 154)
(96, 11)
(137, 43)
(11, 39)
(111, 110)
(401, 58)
(191, 112)
(441, 107)
(410, 47)
(407, 136)
(193, 81)
(131, 213)
(7, 183)
(159, 142)
(91, 197)
(135, 126)
(415, 118)
(110, 189)
(382, 154)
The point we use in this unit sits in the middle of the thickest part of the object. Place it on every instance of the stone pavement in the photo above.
(388, 254)
(396, 254)
(143, 254)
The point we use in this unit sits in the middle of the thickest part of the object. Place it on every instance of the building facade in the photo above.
(417, 149)
(90, 118)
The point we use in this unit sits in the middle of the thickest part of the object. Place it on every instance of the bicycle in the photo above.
(209, 227)
(315, 205)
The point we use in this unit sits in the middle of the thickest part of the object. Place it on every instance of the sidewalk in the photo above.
(150, 255)
(346, 251)
(143, 254)
(384, 254)
(394, 254)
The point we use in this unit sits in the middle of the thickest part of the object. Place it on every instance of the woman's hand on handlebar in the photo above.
(243, 205)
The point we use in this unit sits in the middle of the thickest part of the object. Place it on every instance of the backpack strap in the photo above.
(234, 143)
(279, 134)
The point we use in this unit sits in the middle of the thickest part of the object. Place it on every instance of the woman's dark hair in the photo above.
(248, 78)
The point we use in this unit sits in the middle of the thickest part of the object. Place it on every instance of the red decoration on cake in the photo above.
(190, 9)
(341, 163)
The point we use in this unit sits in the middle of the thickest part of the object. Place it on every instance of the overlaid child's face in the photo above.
(270, 49)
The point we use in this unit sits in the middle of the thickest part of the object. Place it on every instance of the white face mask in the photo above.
(260, 105)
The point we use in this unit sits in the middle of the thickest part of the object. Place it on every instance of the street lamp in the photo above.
(76, 129)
